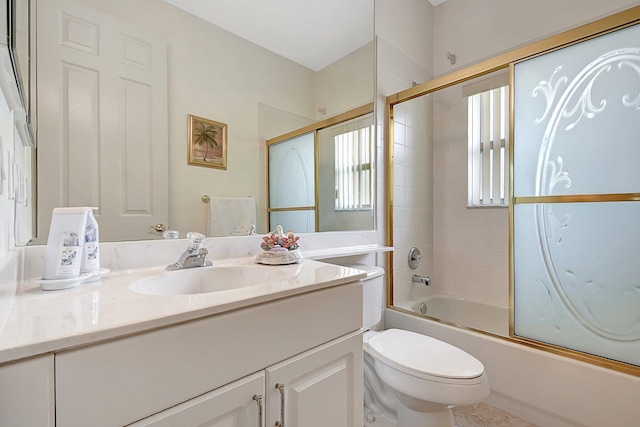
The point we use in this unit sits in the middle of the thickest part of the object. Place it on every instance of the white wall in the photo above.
(407, 25)
(479, 29)
(345, 84)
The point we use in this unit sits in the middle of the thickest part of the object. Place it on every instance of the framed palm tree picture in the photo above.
(207, 143)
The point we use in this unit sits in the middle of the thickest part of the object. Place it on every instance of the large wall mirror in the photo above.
(117, 80)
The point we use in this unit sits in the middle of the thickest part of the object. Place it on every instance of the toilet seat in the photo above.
(425, 357)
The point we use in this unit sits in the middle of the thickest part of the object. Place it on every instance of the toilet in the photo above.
(410, 379)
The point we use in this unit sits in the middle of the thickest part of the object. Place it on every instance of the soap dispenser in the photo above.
(91, 250)
(65, 244)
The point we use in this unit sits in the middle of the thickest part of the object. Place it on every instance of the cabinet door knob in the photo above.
(260, 402)
(280, 388)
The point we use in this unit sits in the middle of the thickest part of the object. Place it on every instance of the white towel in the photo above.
(231, 216)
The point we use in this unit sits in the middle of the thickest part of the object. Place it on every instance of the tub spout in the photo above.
(425, 280)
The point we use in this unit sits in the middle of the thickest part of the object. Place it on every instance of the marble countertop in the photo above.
(44, 321)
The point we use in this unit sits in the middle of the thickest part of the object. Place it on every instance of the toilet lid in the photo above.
(423, 356)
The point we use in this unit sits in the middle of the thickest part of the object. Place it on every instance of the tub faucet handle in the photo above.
(415, 258)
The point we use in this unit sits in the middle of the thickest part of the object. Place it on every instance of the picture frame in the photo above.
(207, 143)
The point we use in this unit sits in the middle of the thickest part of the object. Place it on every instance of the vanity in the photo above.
(284, 345)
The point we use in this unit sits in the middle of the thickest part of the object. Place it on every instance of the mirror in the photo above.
(339, 195)
(17, 153)
(19, 49)
(210, 73)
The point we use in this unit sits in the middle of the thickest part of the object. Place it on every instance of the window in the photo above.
(488, 144)
(353, 168)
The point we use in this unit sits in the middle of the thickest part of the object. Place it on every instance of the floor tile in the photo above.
(483, 415)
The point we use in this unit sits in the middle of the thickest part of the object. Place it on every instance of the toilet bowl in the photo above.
(426, 375)
(412, 380)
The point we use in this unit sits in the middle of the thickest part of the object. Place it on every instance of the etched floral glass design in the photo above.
(577, 132)
(292, 183)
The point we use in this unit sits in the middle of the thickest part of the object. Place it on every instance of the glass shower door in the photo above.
(576, 205)
(292, 184)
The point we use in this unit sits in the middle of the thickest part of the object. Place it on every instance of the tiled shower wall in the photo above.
(413, 195)
(471, 244)
(404, 57)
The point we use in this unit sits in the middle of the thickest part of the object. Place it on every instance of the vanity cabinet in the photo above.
(315, 389)
(231, 405)
(26, 393)
(319, 388)
(308, 342)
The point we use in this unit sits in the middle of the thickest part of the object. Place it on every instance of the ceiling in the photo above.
(329, 30)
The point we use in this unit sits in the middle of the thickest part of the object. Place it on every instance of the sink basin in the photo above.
(211, 279)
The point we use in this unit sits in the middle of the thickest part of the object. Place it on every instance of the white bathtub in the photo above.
(463, 312)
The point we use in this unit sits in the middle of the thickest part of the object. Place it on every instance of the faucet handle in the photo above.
(195, 241)
(195, 237)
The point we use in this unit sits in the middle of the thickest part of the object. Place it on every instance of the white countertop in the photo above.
(45, 321)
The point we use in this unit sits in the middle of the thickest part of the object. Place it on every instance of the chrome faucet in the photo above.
(195, 254)
(425, 280)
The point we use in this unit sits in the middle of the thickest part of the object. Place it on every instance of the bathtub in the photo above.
(463, 312)
(542, 387)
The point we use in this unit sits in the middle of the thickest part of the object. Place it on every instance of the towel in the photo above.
(231, 216)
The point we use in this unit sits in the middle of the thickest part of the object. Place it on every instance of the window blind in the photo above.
(353, 168)
(488, 147)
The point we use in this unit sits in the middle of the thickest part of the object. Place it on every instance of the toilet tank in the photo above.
(373, 296)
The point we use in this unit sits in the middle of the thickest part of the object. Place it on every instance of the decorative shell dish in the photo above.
(279, 248)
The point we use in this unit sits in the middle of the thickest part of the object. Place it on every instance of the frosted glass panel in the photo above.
(576, 270)
(291, 173)
(296, 221)
(577, 118)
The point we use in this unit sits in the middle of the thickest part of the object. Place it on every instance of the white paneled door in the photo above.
(102, 119)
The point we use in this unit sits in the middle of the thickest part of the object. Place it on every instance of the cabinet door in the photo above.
(26, 393)
(321, 387)
(231, 405)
